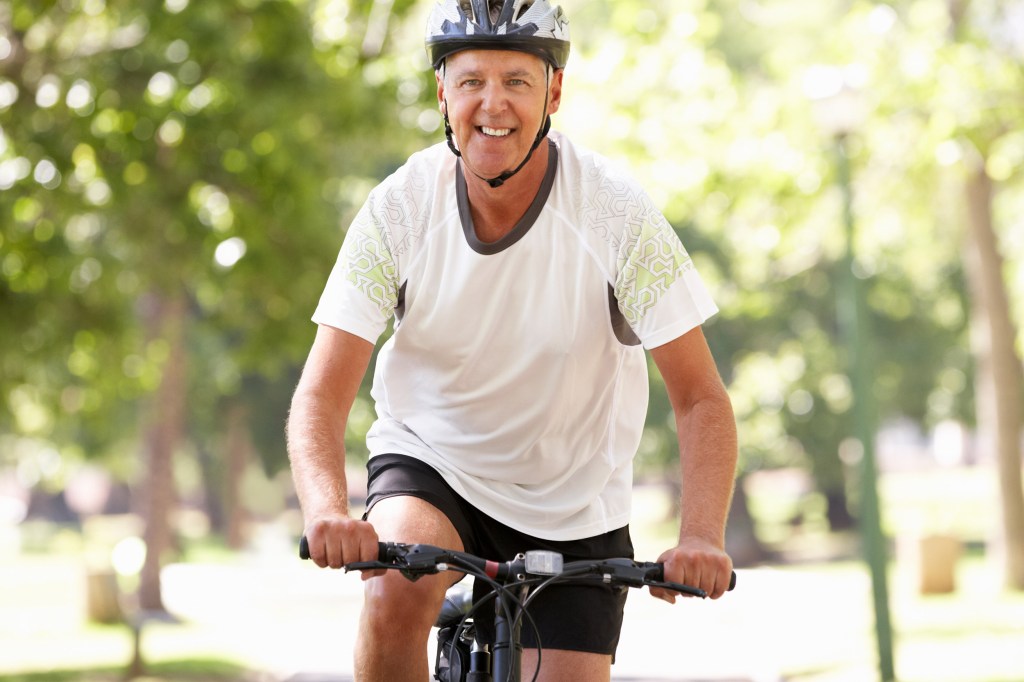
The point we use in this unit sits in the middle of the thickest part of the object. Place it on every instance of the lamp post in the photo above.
(840, 113)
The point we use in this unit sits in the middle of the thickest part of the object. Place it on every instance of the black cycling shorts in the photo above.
(570, 617)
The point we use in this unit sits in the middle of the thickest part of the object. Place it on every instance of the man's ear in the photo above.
(439, 77)
(555, 93)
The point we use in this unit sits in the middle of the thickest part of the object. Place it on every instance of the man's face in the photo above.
(495, 101)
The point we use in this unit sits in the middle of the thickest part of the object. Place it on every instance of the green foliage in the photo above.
(156, 148)
(711, 104)
(218, 149)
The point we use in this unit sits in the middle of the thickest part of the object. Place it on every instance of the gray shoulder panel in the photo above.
(623, 332)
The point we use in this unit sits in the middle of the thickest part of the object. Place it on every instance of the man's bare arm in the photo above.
(707, 454)
(316, 447)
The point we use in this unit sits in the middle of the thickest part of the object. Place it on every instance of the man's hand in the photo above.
(697, 563)
(336, 540)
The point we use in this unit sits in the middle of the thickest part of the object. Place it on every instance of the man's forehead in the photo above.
(502, 61)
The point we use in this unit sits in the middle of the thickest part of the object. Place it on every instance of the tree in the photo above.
(1000, 377)
(973, 142)
(167, 160)
(174, 165)
(710, 109)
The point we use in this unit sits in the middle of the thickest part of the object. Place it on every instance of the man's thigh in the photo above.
(404, 518)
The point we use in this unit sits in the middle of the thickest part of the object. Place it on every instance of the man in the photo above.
(526, 278)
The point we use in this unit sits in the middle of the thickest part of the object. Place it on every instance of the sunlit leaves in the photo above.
(154, 147)
(221, 147)
(714, 109)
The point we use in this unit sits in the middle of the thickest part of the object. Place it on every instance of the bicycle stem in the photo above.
(506, 658)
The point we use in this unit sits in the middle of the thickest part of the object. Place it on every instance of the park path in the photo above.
(298, 623)
(289, 621)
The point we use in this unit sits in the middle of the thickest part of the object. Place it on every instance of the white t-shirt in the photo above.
(517, 368)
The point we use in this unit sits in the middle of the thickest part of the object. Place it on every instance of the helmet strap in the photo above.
(500, 180)
(541, 134)
(448, 133)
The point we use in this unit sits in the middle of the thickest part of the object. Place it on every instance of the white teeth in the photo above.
(495, 132)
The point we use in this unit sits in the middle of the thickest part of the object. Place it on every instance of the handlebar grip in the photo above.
(384, 550)
(659, 575)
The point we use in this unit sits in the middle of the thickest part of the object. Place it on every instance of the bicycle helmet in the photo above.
(534, 26)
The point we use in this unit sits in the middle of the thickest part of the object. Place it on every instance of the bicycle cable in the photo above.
(507, 593)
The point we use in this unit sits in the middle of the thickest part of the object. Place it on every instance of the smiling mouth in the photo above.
(494, 132)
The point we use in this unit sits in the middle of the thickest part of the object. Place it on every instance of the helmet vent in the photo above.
(535, 26)
(521, 10)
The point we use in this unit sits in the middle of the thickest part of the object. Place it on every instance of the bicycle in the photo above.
(514, 584)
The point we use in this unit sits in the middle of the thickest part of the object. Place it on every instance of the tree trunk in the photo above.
(163, 429)
(837, 510)
(213, 485)
(829, 475)
(741, 541)
(237, 451)
(1000, 376)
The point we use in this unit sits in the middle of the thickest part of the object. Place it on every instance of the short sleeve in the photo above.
(658, 289)
(362, 290)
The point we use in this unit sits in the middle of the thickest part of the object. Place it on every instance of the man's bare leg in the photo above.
(558, 665)
(397, 614)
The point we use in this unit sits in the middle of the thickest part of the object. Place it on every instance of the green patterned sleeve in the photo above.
(658, 290)
(650, 261)
(362, 290)
(367, 263)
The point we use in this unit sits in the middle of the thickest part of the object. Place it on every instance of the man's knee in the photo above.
(394, 604)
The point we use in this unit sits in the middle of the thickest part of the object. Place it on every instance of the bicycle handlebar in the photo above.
(417, 560)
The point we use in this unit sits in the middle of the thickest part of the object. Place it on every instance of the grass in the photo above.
(189, 670)
(975, 634)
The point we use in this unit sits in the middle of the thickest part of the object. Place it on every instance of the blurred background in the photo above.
(176, 178)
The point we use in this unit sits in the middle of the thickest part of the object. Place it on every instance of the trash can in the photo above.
(938, 556)
(103, 596)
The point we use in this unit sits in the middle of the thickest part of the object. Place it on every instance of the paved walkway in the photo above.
(295, 622)
(306, 677)
(298, 623)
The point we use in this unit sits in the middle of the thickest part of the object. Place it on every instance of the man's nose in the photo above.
(495, 99)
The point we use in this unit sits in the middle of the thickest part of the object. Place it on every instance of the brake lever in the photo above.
(410, 574)
(676, 587)
(626, 572)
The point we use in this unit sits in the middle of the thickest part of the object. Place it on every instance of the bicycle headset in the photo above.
(533, 26)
